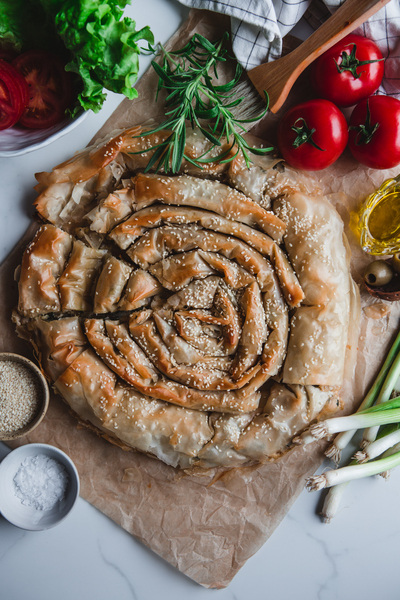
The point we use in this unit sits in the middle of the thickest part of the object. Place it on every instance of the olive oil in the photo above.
(377, 223)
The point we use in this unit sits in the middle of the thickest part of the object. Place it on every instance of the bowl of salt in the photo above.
(39, 486)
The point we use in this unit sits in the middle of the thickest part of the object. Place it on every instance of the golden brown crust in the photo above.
(184, 190)
(188, 290)
(42, 265)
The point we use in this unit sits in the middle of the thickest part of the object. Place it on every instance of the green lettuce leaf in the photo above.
(100, 45)
(24, 25)
(11, 25)
(105, 48)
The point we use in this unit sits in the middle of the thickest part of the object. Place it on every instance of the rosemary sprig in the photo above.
(192, 97)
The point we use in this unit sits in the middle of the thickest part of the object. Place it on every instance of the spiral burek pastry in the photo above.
(202, 320)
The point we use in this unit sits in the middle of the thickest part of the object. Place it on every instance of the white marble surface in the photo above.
(90, 557)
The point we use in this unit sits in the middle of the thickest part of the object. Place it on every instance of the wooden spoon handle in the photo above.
(349, 16)
(278, 77)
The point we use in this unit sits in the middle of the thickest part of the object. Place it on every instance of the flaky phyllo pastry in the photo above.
(203, 318)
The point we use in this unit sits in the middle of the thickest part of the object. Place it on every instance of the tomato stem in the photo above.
(304, 134)
(366, 130)
(350, 62)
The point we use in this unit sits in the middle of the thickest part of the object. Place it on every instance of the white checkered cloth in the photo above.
(258, 27)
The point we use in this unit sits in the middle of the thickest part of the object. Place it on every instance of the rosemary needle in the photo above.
(186, 76)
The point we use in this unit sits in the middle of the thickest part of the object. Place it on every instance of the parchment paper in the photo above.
(207, 532)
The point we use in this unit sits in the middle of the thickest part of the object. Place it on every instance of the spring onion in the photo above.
(384, 395)
(335, 493)
(333, 498)
(344, 424)
(355, 421)
(395, 448)
(377, 448)
(380, 449)
(346, 474)
(332, 501)
(388, 444)
(304, 438)
(342, 440)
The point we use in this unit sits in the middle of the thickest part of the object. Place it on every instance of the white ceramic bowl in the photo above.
(28, 517)
(18, 140)
(44, 401)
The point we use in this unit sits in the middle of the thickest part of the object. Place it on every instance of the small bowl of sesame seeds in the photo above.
(24, 396)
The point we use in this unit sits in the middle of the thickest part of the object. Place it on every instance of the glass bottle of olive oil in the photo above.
(377, 223)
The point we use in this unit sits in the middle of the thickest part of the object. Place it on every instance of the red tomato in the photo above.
(312, 135)
(374, 132)
(49, 88)
(13, 95)
(349, 71)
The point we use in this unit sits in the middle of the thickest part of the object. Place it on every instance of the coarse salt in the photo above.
(40, 482)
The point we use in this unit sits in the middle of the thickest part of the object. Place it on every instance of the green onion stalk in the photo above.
(370, 434)
(377, 415)
(335, 493)
(342, 440)
(395, 448)
(378, 447)
(380, 450)
(333, 498)
(346, 474)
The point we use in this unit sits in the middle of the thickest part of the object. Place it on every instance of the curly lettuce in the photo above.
(105, 48)
(100, 45)
(12, 30)
(24, 25)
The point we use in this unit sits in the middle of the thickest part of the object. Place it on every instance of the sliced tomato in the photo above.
(50, 88)
(13, 95)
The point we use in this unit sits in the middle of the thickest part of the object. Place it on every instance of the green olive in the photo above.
(378, 273)
(396, 262)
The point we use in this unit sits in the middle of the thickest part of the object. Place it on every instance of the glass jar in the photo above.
(377, 223)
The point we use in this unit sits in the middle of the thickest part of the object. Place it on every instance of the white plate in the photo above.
(18, 140)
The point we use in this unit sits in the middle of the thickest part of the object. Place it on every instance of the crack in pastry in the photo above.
(129, 230)
(202, 318)
(214, 196)
(77, 281)
(170, 389)
(110, 285)
(42, 265)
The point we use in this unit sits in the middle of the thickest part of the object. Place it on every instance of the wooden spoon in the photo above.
(278, 77)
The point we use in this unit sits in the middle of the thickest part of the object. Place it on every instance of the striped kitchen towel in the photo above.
(258, 27)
